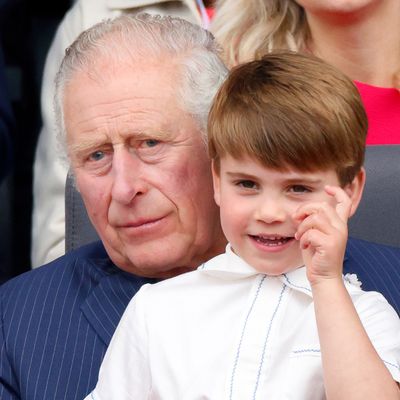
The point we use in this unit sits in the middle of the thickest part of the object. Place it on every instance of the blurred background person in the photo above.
(359, 37)
(6, 122)
(6, 130)
(27, 29)
(7, 126)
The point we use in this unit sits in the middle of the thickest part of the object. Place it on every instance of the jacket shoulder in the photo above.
(89, 262)
(377, 267)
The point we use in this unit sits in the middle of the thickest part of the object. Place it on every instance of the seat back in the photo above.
(78, 228)
(377, 217)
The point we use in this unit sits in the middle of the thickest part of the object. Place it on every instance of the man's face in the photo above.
(258, 206)
(142, 169)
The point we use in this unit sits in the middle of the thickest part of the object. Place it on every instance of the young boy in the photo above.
(272, 317)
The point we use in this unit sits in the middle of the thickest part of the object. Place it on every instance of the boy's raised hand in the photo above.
(322, 233)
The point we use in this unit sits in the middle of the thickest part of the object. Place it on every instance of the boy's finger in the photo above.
(343, 206)
(319, 222)
(309, 209)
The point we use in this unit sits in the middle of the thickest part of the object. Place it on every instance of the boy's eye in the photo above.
(247, 184)
(299, 189)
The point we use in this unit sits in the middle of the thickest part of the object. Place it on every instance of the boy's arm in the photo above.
(351, 366)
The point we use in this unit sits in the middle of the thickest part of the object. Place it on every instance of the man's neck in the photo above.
(364, 45)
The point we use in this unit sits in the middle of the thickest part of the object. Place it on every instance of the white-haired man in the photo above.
(133, 96)
(48, 219)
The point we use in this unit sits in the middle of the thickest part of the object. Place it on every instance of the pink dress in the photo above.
(383, 110)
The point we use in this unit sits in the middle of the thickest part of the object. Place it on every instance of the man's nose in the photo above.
(271, 209)
(128, 177)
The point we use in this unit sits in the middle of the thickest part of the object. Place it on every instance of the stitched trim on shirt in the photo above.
(266, 339)
(242, 335)
(391, 364)
(306, 351)
(296, 286)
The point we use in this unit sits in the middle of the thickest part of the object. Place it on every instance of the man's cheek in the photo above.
(96, 201)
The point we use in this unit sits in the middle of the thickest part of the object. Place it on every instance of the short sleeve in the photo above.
(382, 325)
(125, 372)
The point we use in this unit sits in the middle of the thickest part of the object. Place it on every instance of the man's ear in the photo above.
(355, 190)
(216, 182)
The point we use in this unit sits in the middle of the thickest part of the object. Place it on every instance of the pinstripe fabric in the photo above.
(377, 267)
(56, 324)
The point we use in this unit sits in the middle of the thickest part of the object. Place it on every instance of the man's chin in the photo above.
(149, 264)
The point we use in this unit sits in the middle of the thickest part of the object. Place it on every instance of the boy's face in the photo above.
(257, 206)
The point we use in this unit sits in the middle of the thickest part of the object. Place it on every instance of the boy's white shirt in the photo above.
(226, 331)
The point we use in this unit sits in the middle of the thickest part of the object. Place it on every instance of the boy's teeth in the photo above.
(272, 240)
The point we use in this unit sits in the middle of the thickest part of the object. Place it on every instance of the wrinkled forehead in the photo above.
(132, 101)
(101, 67)
(110, 81)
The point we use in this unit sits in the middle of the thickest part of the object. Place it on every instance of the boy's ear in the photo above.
(355, 189)
(216, 182)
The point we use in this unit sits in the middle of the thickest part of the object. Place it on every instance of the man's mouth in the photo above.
(140, 222)
(272, 240)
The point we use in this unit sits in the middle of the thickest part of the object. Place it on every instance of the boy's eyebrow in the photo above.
(237, 174)
(308, 180)
(291, 180)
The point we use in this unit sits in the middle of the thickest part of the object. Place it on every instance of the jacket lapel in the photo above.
(104, 306)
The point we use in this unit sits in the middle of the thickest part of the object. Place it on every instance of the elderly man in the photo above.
(133, 98)
(48, 220)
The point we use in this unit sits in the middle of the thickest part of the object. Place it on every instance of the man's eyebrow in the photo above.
(239, 174)
(88, 144)
(85, 145)
(159, 134)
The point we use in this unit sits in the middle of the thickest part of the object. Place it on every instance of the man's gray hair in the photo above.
(143, 36)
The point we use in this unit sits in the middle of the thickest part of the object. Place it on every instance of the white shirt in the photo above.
(226, 331)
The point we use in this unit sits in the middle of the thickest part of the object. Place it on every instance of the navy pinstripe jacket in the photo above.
(57, 321)
(56, 324)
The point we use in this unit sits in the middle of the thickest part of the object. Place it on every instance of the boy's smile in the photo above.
(257, 208)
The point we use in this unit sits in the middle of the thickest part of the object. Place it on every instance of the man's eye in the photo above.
(151, 142)
(299, 189)
(247, 184)
(97, 155)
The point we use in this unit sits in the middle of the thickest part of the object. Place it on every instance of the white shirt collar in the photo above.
(230, 266)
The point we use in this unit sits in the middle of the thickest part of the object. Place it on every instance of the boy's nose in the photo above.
(271, 210)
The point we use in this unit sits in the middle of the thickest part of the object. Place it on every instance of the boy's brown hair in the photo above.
(290, 110)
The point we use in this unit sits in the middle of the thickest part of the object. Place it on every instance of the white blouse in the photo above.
(226, 331)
